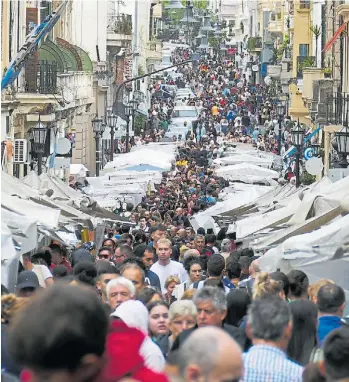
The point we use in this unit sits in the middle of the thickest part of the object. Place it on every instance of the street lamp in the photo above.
(128, 113)
(134, 104)
(38, 136)
(112, 121)
(297, 136)
(280, 111)
(342, 140)
(98, 128)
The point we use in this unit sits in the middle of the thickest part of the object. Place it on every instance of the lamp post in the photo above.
(112, 121)
(342, 140)
(98, 128)
(128, 113)
(134, 104)
(297, 135)
(38, 136)
(280, 111)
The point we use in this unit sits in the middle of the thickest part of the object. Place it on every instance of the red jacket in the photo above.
(123, 358)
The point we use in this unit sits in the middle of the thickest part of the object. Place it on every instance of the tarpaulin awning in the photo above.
(335, 36)
(144, 167)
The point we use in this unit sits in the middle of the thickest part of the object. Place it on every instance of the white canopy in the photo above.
(44, 215)
(161, 157)
(257, 160)
(246, 169)
(23, 229)
(309, 248)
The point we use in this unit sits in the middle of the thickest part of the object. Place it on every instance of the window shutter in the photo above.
(20, 151)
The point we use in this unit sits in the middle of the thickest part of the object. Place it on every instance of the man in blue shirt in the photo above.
(270, 327)
(331, 303)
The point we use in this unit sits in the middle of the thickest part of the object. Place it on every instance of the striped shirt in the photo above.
(264, 363)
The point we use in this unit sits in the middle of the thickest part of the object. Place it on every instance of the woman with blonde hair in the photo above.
(170, 285)
(264, 285)
(11, 305)
(314, 288)
(181, 316)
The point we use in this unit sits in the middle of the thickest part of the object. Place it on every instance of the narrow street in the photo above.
(174, 191)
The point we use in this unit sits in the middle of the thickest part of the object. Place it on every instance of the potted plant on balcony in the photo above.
(316, 30)
(274, 69)
(327, 72)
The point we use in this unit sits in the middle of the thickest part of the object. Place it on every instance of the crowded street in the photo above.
(202, 234)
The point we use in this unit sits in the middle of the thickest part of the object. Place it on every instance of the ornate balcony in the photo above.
(337, 109)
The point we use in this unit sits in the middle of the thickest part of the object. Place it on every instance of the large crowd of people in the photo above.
(164, 302)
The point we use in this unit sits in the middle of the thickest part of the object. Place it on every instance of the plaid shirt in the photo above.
(264, 363)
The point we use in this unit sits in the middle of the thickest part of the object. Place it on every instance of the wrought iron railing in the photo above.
(41, 77)
(337, 109)
(304, 62)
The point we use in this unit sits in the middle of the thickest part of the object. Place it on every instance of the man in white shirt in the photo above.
(166, 267)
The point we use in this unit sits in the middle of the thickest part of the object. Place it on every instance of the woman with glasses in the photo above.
(181, 316)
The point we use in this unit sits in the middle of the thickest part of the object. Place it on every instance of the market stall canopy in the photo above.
(45, 182)
(246, 169)
(13, 186)
(308, 249)
(23, 229)
(240, 195)
(144, 167)
(256, 160)
(308, 225)
(78, 169)
(154, 157)
(92, 208)
(43, 215)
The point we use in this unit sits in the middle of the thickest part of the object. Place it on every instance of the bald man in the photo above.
(253, 270)
(210, 354)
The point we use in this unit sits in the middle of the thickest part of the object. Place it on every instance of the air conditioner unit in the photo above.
(20, 151)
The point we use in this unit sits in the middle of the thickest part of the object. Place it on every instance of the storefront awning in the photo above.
(335, 36)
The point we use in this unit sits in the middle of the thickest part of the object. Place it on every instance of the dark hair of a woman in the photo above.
(298, 284)
(146, 294)
(238, 301)
(191, 260)
(304, 331)
(154, 304)
(85, 272)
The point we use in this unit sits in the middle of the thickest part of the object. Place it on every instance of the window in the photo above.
(7, 125)
(304, 4)
(304, 50)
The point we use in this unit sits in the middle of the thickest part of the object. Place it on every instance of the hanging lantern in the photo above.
(204, 43)
(297, 134)
(189, 16)
(342, 140)
(175, 4)
(207, 27)
(218, 30)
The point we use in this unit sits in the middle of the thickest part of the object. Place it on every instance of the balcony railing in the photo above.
(337, 109)
(304, 62)
(41, 77)
(120, 24)
(254, 43)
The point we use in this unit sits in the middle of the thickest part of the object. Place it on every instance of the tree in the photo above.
(316, 29)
